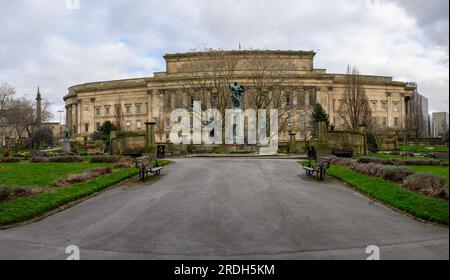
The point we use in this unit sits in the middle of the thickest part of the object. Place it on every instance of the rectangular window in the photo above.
(215, 101)
(108, 111)
(374, 105)
(167, 137)
(128, 125)
(395, 107)
(167, 122)
(138, 109)
(97, 126)
(341, 104)
(384, 106)
(139, 125)
(263, 101)
(156, 120)
(289, 120)
(287, 101)
(86, 127)
(128, 109)
(302, 120)
(97, 111)
(396, 122)
(117, 107)
(384, 121)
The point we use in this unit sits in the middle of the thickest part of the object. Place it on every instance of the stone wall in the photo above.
(348, 140)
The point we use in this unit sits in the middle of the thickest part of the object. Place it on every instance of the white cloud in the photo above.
(44, 43)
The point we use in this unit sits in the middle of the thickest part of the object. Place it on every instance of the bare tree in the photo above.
(21, 116)
(7, 93)
(415, 120)
(42, 136)
(270, 90)
(210, 78)
(118, 117)
(355, 110)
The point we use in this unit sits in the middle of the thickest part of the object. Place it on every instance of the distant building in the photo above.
(439, 124)
(426, 118)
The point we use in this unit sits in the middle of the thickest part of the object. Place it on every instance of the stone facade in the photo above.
(151, 99)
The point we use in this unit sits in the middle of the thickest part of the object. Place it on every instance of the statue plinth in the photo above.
(66, 146)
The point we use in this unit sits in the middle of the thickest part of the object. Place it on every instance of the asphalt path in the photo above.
(228, 208)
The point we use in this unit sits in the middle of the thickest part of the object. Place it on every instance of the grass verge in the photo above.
(426, 208)
(25, 174)
(21, 209)
(438, 170)
(421, 149)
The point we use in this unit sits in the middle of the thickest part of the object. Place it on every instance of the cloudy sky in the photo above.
(42, 42)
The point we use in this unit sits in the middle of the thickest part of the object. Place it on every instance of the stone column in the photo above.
(389, 109)
(322, 142)
(80, 118)
(292, 149)
(150, 143)
(93, 116)
(330, 104)
(112, 141)
(363, 130)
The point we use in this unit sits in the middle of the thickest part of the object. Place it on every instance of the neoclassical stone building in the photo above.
(268, 75)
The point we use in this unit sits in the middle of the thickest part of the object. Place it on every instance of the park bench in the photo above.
(321, 166)
(148, 165)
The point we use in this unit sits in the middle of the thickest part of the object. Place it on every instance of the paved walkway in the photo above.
(228, 208)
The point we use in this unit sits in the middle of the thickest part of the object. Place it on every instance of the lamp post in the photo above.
(60, 116)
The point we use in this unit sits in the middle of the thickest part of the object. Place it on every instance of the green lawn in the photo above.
(21, 209)
(385, 156)
(438, 170)
(43, 174)
(427, 208)
(420, 149)
(27, 174)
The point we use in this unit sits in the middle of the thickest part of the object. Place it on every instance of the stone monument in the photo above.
(66, 142)
(236, 94)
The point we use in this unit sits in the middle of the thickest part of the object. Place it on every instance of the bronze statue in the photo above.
(236, 92)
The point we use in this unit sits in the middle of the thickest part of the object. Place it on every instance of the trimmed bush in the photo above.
(387, 172)
(39, 154)
(342, 161)
(439, 155)
(123, 164)
(4, 193)
(10, 160)
(9, 193)
(394, 173)
(83, 177)
(66, 159)
(39, 159)
(105, 159)
(427, 184)
(415, 161)
(400, 161)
